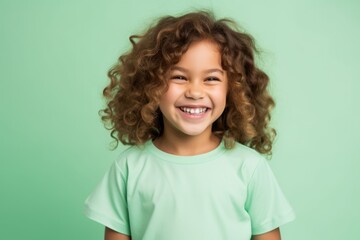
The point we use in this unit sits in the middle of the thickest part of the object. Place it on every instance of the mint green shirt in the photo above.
(222, 194)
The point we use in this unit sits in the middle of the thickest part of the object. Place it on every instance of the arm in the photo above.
(272, 235)
(113, 235)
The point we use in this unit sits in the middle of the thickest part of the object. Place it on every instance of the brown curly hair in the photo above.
(138, 80)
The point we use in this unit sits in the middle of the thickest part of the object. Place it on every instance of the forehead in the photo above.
(200, 54)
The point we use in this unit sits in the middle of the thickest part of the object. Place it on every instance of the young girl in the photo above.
(194, 107)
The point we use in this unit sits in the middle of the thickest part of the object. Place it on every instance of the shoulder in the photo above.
(245, 155)
(245, 159)
(132, 156)
(130, 151)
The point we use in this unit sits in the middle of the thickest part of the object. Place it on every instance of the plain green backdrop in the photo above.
(54, 56)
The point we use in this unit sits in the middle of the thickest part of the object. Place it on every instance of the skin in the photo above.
(196, 82)
(272, 235)
(113, 235)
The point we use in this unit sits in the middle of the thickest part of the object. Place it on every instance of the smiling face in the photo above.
(196, 96)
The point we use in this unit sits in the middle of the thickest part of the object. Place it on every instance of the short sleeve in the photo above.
(266, 204)
(108, 204)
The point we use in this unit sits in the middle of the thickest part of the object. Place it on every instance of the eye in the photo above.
(212, 79)
(178, 77)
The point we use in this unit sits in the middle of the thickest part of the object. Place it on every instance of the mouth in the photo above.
(194, 110)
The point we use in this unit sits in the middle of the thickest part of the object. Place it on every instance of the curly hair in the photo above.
(138, 80)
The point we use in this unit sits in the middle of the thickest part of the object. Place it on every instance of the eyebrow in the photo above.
(206, 71)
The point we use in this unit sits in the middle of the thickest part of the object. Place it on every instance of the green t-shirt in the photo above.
(223, 194)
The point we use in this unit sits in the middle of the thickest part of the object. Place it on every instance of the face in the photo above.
(196, 96)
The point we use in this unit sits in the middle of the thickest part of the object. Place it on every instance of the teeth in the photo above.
(193, 110)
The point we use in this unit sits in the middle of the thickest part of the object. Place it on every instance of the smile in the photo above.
(193, 110)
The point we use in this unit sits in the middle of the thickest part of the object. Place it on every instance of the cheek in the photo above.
(168, 99)
(220, 95)
(171, 94)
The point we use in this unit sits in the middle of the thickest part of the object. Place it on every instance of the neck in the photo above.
(187, 145)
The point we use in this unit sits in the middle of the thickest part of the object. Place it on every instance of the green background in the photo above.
(54, 56)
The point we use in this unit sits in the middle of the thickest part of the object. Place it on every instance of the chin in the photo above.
(194, 133)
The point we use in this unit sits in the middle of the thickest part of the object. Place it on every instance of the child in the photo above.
(194, 106)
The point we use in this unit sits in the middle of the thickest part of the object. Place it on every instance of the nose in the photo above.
(194, 91)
